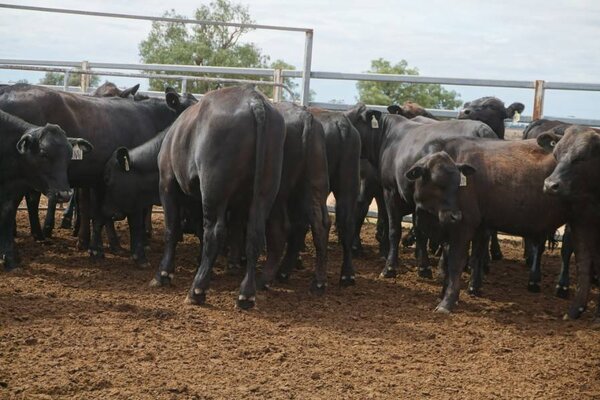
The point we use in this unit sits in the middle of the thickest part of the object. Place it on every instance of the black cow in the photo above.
(393, 145)
(343, 162)
(226, 151)
(496, 194)
(109, 89)
(576, 179)
(31, 157)
(107, 123)
(490, 110)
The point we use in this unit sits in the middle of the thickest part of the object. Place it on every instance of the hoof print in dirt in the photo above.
(245, 302)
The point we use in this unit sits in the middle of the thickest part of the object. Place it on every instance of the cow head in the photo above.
(177, 102)
(409, 110)
(368, 123)
(46, 152)
(577, 155)
(121, 182)
(437, 180)
(491, 111)
(109, 89)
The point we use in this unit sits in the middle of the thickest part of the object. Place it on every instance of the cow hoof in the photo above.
(66, 223)
(347, 280)
(47, 232)
(574, 313)
(82, 245)
(38, 237)
(245, 302)
(96, 255)
(425, 273)
(117, 250)
(534, 287)
(562, 292)
(196, 297)
(496, 256)
(389, 272)
(283, 277)
(317, 288)
(475, 292)
(442, 310)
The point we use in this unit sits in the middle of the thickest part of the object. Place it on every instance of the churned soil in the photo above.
(73, 328)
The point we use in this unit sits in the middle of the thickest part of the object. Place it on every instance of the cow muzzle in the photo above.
(450, 216)
(553, 187)
(62, 196)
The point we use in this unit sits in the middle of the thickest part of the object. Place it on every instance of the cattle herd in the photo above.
(245, 175)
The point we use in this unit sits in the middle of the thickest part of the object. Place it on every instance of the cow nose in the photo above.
(551, 187)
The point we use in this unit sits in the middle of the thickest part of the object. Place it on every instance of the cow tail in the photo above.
(260, 116)
(306, 133)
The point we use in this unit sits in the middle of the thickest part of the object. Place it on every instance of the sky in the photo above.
(521, 40)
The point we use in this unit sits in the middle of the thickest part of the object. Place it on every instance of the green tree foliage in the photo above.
(206, 45)
(58, 78)
(386, 93)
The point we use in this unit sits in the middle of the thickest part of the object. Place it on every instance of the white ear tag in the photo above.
(463, 180)
(374, 123)
(77, 153)
(516, 117)
(126, 164)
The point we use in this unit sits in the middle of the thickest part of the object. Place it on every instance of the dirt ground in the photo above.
(71, 328)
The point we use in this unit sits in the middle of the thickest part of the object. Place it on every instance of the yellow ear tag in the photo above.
(77, 153)
(126, 164)
(463, 180)
(374, 123)
(516, 117)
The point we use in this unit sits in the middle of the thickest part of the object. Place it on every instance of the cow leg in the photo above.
(172, 216)
(395, 230)
(362, 209)
(458, 252)
(114, 243)
(423, 263)
(136, 234)
(495, 251)
(535, 274)
(276, 235)
(49, 220)
(478, 254)
(8, 215)
(320, 224)
(295, 241)
(85, 217)
(98, 222)
(215, 232)
(147, 225)
(33, 203)
(235, 241)
(562, 288)
(585, 242)
(345, 210)
(382, 226)
(443, 269)
(67, 218)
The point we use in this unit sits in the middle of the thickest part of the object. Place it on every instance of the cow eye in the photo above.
(552, 143)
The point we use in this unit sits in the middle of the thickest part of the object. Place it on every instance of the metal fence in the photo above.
(277, 76)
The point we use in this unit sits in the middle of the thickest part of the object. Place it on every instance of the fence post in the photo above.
(538, 100)
(183, 86)
(85, 79)
(277, 90)
(306, 70)
(66, 80)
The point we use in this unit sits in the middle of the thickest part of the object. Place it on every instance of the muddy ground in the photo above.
(72, 328)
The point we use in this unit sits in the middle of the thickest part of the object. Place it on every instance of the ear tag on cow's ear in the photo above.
(516, 117)
(126, 163)
(374, 123)
(463, 180)
(77, 153)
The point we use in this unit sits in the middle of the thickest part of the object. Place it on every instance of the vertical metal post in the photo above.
(183, 85)
(538, 100)
(277, 90)
(66, 80)
(306, 70)
(85, 79)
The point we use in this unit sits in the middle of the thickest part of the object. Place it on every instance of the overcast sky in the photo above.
(522, 39)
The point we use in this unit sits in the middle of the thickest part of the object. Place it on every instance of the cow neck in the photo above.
(377, 140)
(158, 111)
(145, 156)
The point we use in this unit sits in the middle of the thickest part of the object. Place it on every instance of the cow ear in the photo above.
(415, 172)
(83, 144)
(466, 169)
(123, 159)
(518, 107)
(373, 117)
(394, 109)
(25, 144)
(173, 100)
(547, 141)
(130, 92)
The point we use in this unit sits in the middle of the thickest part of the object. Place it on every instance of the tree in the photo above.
(58, 79)
(208, 45)
(387, 93)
